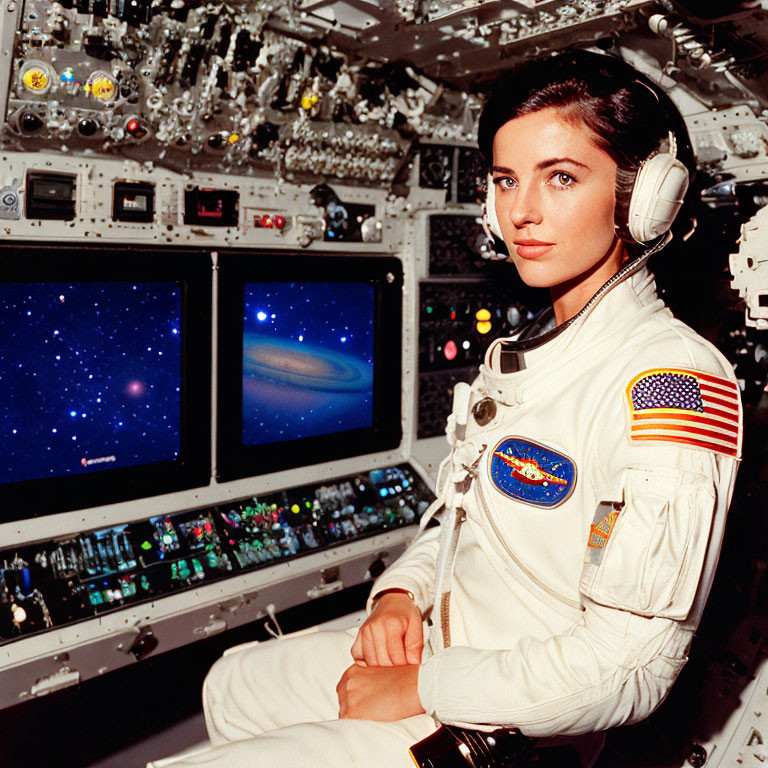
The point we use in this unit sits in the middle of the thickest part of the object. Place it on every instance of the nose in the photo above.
(525, 208)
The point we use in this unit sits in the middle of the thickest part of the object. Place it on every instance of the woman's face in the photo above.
(555, 198)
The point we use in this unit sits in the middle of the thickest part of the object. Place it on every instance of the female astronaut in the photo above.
(581, 508)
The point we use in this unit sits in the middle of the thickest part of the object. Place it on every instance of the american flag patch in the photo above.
(683, 406)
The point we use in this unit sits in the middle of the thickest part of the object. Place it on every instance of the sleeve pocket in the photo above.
(652, 562)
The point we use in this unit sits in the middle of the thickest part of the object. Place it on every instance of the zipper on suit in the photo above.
(445, 618)
(512, 556)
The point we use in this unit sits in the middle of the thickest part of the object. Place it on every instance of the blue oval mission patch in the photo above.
(532, 473)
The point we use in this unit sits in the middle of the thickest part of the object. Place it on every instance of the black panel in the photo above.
(50, 196)
(470, 177)
(133, 201)
(435, 166)
(50, 584)
(454, 245)
(436, 396)
(457, 323)
(211, 207)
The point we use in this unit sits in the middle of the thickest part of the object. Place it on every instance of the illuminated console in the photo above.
(55, 583)
(99, 600)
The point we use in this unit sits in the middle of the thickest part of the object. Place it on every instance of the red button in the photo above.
(450, 351)
(279, 222)
(133, 126)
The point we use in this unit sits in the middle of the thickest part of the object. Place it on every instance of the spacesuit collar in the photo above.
(611, 312)
(513, 350)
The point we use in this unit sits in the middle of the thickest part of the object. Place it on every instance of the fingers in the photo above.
(395, 648)
(357, 646)
(364, 647)
(390, 638)
(413, 642)
(370, 656)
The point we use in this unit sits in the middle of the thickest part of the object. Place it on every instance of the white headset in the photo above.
(657, 194)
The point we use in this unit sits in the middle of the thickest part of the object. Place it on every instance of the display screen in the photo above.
(308, 350)
(90, 376)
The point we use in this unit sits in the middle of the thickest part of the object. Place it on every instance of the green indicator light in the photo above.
(308, 504)
(430, 310)
(145, 545)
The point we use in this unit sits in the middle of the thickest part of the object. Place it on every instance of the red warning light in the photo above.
(450, 350)
(133, 126)
(269, 221)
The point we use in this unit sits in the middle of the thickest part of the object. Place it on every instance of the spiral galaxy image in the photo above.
(90, 377)
(307, 359)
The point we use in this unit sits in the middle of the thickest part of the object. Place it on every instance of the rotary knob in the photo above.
(87, 126)
(30, 122)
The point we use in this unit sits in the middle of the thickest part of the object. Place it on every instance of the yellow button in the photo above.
(295, 509)
(483, 315)
(483, 327)
(103, 88)
(36, 79)
(309, 100)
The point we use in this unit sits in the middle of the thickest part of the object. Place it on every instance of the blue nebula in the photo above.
(299, 378)
(90, 377)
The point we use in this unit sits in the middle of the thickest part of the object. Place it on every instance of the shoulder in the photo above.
(670, 390)
(664, 342)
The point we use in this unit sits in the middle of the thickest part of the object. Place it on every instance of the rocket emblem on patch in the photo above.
(532, 473)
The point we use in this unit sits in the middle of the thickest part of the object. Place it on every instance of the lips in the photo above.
(532, 249)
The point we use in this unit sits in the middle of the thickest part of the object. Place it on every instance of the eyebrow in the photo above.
(544, 164)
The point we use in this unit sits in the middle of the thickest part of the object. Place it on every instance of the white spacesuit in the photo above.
(583, 513)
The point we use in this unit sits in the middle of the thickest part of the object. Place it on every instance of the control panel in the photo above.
(54, 583)
(466, 303)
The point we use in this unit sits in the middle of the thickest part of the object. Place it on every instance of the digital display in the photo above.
(133, 201)
(211, 207)
(90, 377)
(307, 359)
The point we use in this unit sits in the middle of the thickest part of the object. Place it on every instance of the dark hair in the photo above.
(628, 115)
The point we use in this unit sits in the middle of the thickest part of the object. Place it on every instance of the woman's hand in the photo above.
(379, 693)
(392, 635)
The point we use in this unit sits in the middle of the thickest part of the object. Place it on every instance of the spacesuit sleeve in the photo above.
(414, 570)
(650, 556)
(617, 663)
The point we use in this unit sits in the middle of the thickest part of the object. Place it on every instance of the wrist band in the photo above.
(393, 590)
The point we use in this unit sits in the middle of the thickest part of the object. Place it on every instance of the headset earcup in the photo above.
(656, 196)
(490, 219)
